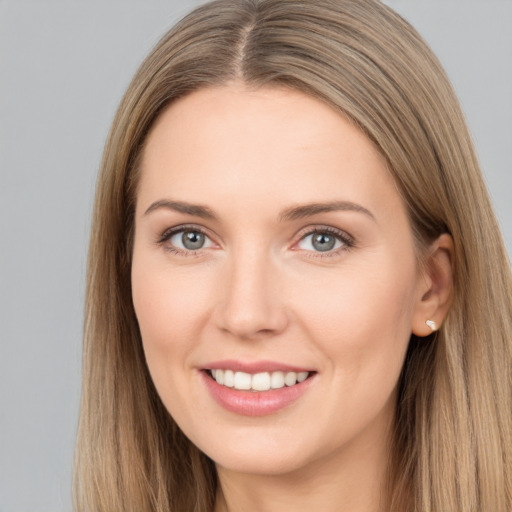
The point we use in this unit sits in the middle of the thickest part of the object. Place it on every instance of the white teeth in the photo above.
(259, 381)
(277, 380)
(229, 378)
(290, 378)
(242, 380)
(302, 376)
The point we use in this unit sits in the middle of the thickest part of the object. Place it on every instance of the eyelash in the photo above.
(169, 233)
(347, 241)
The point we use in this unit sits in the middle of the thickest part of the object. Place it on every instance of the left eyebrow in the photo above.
(310, 209)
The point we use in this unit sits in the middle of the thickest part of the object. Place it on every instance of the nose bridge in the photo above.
(252, 302)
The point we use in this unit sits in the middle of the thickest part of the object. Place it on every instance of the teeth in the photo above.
(242, 380)
(277, 380)
(259, 381)
(229, 378)
(290, 378)
(219, 376)
(302, 376)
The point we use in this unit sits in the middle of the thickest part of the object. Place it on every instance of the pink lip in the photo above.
(254, 403)
(253, 367)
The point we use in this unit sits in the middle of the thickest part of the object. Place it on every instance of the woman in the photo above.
(297, 291)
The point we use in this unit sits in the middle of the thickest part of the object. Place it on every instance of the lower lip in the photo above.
(255, 403)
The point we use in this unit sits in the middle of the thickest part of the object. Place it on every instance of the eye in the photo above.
(186, 240)
(323, 241)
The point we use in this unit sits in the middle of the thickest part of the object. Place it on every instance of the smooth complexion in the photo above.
(269, 234)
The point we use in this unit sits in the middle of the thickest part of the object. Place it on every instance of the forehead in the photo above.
(231, 144)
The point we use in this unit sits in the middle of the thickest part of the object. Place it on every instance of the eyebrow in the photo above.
(310, 209)
(293, 213)
(182, 207)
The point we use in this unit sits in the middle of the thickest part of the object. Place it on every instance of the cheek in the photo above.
(360, 317)
(171, 310)
(167, 303)
(358, 297)
(362, 327)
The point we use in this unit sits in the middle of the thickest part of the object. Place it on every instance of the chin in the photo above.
(269, 450)
(260, 462)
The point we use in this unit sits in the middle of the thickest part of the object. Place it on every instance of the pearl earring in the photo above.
(431, 324)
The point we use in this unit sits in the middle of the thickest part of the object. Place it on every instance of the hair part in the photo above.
(453, 434)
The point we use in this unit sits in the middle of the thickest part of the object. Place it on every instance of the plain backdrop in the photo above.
(63, 68)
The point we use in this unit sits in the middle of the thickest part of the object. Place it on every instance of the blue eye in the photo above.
(322, 241)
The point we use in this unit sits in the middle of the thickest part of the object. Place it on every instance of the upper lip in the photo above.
(253, 366)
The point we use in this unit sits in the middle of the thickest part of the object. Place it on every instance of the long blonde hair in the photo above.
(452, 449)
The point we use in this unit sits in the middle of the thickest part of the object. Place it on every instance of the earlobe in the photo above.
(435, 288)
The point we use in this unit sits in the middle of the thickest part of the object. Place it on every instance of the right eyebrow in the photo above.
(196, 210)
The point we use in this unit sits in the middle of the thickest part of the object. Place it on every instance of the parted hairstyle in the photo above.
(452, 445)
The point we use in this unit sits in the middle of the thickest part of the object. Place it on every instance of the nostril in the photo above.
(252, 321)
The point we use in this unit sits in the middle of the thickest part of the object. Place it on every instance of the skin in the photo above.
(259, 289)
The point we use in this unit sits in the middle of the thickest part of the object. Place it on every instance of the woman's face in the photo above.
(271, 246)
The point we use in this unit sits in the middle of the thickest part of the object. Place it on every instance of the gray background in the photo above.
(63, 68)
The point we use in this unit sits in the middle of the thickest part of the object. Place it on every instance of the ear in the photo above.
(435, 286)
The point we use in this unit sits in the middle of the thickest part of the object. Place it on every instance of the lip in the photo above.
(255, 403)
(253, 367)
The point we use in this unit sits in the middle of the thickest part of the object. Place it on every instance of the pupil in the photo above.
(192, 240)
(323, 242)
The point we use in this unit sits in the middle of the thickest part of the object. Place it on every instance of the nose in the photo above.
(251, 300)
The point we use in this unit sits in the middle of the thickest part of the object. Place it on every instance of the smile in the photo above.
(255, 392)
(263, 381)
